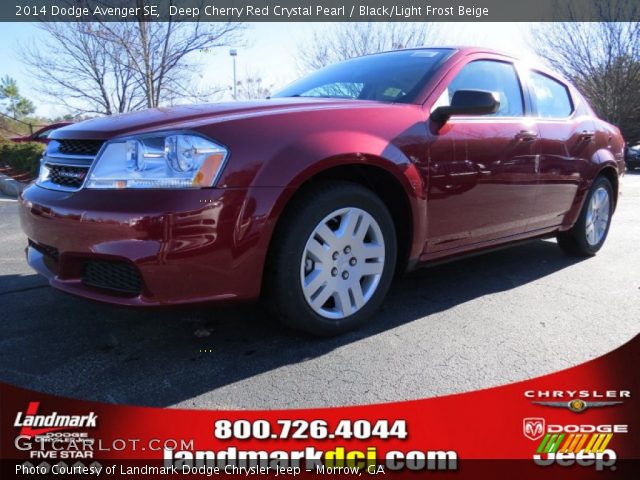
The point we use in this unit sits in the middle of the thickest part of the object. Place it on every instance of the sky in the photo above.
(269, 51)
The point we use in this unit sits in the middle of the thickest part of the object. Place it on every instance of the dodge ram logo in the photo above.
(533, 428)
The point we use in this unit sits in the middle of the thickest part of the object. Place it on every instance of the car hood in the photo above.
(184, 116)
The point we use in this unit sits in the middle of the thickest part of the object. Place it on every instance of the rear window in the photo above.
(552, 97)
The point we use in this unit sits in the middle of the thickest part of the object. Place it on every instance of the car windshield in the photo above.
(386, 77)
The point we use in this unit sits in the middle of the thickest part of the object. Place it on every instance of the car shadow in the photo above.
(59, 344)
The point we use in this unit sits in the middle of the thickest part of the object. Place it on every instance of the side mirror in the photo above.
(468, 102)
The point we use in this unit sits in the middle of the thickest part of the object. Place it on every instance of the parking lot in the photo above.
(480, 322)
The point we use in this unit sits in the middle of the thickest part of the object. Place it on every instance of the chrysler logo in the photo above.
(533, 428)
(577, 405)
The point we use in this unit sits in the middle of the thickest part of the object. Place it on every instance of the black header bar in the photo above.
(319, 10)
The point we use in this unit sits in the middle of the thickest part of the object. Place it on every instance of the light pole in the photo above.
(234, 53)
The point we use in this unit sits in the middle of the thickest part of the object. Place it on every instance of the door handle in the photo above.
(587, 135)
(526, 135)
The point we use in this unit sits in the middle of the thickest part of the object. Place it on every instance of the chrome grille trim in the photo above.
(58, 161)
(54, 157)
(67, 175)
(75, 160)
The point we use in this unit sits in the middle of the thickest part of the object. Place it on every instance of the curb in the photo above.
(11, 187)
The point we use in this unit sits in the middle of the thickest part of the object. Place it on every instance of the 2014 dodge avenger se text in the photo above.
(315, 198)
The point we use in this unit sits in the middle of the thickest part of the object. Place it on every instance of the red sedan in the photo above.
(314, 198)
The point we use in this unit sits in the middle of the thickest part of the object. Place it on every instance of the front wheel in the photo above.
(332, 260)
(587, 236)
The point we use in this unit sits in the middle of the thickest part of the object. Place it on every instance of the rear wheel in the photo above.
(332, 260)
(587, 236)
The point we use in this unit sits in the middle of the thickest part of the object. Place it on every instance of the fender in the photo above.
(319, 153)
(281, 152)
(602, 159)
(324, 150)
(607, 162)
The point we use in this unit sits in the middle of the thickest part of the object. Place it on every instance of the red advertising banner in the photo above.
(578, 423)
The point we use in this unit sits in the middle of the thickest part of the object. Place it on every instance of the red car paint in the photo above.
(469, 185)
(41, 135)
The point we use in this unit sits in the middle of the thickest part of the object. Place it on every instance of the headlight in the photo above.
(44, 172)
(167, 160)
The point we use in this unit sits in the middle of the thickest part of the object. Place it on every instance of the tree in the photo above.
(110, 67)
(347, 40)
(77, 68)
(601, 58)
(18, 106)
(252, 87)
(156, 53)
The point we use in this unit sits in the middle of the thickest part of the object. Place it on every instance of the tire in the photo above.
(586, 237)
(313, 253)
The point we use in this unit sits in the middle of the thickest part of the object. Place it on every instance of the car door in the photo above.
(482, 169)
(567, 142)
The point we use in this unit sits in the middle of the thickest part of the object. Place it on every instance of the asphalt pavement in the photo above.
(489, 320)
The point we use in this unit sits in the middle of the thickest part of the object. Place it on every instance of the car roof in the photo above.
(469, 50)
(531, 64)
(463, 50)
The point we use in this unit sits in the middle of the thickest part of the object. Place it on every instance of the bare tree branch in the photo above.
(74, 68)
(158, 53)
(601, 58)
(108, 67)
(252, 86)
(347, 40)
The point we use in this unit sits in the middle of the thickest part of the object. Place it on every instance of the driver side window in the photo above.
(493, 76)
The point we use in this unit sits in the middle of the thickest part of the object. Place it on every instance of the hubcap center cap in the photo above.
(342, 262)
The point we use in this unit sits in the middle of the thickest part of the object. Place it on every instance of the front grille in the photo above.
(67, 176)
(80, 147)
(120, 277)
(47, 250)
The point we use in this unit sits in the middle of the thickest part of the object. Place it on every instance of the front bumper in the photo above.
(162, 246)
